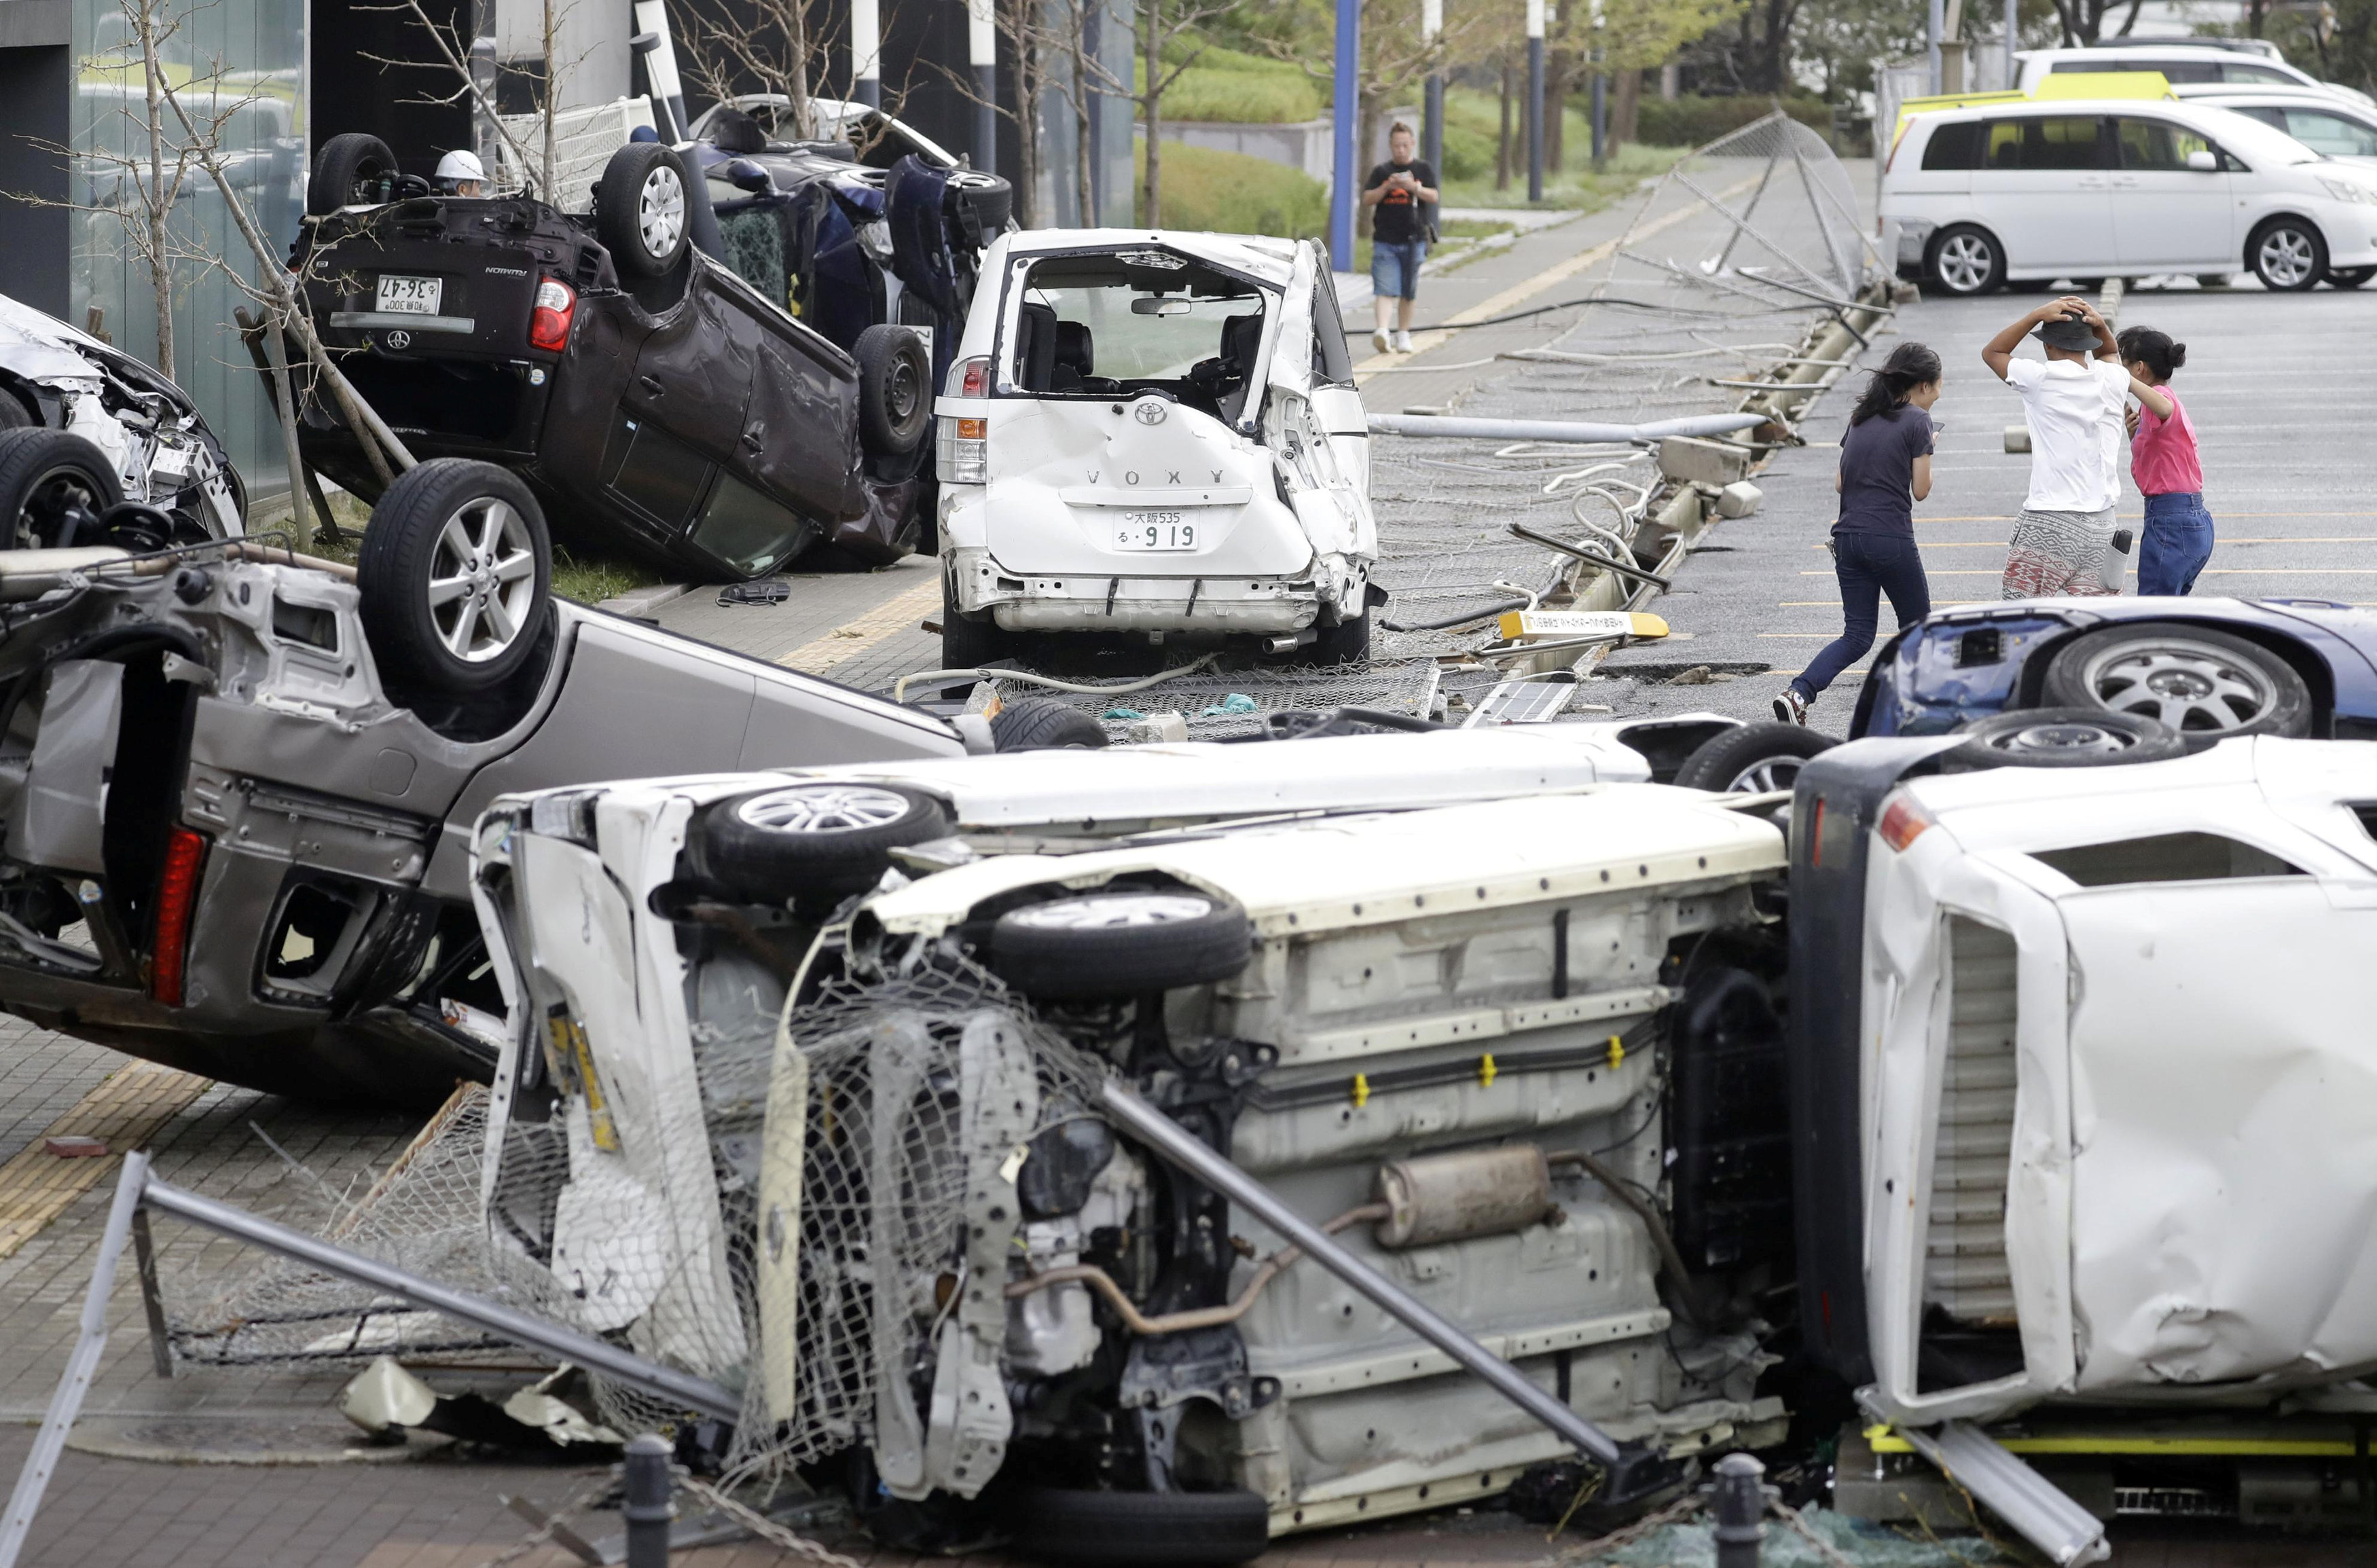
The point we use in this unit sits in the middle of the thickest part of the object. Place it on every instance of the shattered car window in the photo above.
(1092, 325)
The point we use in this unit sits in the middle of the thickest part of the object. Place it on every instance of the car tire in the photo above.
(2204, 684)
(346, 161)
(895, 390)
(1964, 260)
(643, 212)
(2064, 737)
(1154, 1529)
(968, 643)
(1752, 760)
(982, 201)
(816, 842)
(2349, 277)
(1119, 943)
(455, 577)
(46, 477)
(14, 414)
(2288, 254)
(1347, 642)
(1042, 724)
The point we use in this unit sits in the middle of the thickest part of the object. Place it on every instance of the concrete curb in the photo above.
(644, 601)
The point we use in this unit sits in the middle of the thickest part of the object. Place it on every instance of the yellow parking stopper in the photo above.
(1361, 1090)
(1486, 1071)
(1617, 1052)
(1520, 626)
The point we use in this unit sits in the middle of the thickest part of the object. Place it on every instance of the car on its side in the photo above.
(654, 397)
(1157, 435)
(2010, 192)
(84, 426)
(2233, 62)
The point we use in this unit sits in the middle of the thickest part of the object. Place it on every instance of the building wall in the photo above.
(34, 62)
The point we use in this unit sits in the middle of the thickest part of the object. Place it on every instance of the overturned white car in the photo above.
(1155, 434)
(1953, 1103)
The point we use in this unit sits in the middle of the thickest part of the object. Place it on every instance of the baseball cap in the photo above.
(2068, 333)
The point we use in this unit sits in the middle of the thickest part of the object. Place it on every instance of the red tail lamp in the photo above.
(178, 899)
(548, 324)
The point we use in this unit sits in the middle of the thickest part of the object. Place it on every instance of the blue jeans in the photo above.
(1394, 269)
(1868, 564)
(2177, 542)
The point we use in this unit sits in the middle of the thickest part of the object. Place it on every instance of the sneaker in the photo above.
(1403, 342)
(1791, 708)
(1380, 340)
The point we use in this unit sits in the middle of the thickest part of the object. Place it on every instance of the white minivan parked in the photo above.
(1987, 196)
(2235, 62)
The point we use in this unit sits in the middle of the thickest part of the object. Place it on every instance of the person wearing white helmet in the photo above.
(460, 173)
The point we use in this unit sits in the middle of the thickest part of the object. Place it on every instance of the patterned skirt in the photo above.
(2057, 553)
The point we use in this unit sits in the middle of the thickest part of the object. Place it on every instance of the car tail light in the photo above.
(177, 898)
(1903, 822)
(962, 455)
(548, 324)
(969, 379)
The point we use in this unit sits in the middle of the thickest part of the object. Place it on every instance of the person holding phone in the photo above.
(1401, 194)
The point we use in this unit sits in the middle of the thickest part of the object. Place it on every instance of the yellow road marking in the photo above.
(1520, 292)
(894, 614)
(123, 1112)
(2209, 571)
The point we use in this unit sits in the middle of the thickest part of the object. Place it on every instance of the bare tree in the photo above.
(455, 55)
(766, 45)
(1161, 22)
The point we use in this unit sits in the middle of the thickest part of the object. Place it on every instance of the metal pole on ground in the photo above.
(649, 1508)
(1431, 136)
(1535, 100)
(1935, 21)
(981, 51)
(1741, 1509)
(1345, 108)
(867, 53)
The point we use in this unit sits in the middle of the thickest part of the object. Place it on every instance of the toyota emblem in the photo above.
(399, 340)
(1148, 412)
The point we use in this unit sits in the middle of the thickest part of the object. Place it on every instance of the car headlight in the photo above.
(2347, 190)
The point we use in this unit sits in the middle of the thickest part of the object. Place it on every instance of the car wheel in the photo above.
(968, 643)
(2350, 277)
(2064, 738)
(455, 574)
(1752, 759)
(346, 162)
(1055, 1525)
(2204, 684)
(816, 842)
(14, 414)
(52, 488)
(1042, 724)
(982, 201)
(1119, 943)
(895, 393)
(1347, 642)
(2286, 253)
(1966, 260)
(641, 211)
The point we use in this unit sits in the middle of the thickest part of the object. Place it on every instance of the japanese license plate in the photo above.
(400, 295)
(1154, 530)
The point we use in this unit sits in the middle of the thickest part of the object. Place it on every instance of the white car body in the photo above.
(2182, 214)
(1130, 508)
(835, 119)
(2244, 63)
(2164, 1083)
(2341, 129)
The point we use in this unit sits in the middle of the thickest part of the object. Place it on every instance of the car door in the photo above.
(2044, 186)
(1334, 397)
(2168, 213)
(1330, 494)
(2334, 132)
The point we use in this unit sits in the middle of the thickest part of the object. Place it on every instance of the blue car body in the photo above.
(1959, 665)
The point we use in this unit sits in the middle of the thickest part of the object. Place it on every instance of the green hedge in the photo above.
(1225, 84)
(1468, 155)
(1233, 193)
(1692, 120)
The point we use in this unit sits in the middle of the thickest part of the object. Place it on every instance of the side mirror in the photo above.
(2204, 163)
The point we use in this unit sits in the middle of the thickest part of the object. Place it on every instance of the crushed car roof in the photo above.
(1267, 258)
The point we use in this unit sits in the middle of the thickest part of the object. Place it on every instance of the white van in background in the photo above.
(2233, 62)
(1994, 193)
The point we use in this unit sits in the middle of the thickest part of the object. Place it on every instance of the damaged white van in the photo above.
(1155, 434)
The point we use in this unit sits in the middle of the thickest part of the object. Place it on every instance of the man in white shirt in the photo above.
(2072, 403)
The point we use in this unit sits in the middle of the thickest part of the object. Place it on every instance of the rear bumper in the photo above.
(1252, 605)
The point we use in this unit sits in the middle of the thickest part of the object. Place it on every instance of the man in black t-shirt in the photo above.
(1401, 193)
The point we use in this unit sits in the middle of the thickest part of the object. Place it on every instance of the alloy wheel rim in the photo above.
(2285, 257)
(2061, 740)
(2188, 685)
(824, 809)
(1965, 263)
(659, 209)
(1765, 776)
(482, 579)
(1105, 912)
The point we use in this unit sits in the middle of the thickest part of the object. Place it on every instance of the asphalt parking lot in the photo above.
(255, 1468)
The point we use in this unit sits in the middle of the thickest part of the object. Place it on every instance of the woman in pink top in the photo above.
(2178, 538)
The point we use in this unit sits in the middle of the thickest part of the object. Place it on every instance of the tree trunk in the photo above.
(1626, 101)
(1556, 70)
(1150, 113)
(548, 107)
(1084, 154)
(1502, 142)
(158, 201)
(1027, 112)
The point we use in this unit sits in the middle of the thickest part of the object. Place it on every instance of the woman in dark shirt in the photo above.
(1885, 468)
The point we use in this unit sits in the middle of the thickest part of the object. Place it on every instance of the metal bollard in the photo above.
(649, 1509)
(1741, 1506)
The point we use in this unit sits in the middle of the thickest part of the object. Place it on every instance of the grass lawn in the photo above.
(586, 580)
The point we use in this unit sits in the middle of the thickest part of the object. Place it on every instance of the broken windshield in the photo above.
(1117, 323)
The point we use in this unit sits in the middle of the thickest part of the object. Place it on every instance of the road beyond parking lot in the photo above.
(2275, 385)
